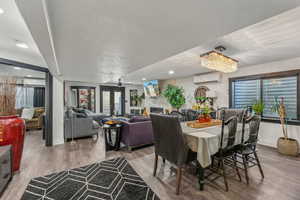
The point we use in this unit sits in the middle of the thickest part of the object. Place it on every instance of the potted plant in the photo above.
(175, 96)
(285, 145)
(258, 107)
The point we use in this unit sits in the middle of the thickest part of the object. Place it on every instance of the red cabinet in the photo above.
(12, 131)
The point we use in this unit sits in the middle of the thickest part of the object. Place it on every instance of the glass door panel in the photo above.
(118, 103)
(106, 102)
(84, 98)
(112, 100)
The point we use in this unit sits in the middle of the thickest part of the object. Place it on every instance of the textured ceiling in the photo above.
(87, 40)
(12, 29)
(274, 39)
(8, 70)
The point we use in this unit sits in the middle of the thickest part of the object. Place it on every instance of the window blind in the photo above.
(280, 87)
(245, 93)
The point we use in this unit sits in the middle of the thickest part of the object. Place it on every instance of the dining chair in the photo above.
(247, 150)
(179, 114)
(226, 113)
(170, 144)
(192, 115)
(226, 148)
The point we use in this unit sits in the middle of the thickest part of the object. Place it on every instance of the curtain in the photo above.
(24, 97)
(39, 97)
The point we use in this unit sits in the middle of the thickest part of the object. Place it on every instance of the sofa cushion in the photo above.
(139, 119)
(27, 113)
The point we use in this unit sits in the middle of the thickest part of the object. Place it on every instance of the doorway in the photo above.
(112, 100)
(33, 93)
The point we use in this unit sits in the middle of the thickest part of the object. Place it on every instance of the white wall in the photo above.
(58, 111)
(269, 132)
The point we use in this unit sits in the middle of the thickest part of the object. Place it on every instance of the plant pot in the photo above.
(288, 146)
(12, 132)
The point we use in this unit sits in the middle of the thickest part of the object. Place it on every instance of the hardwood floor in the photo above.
(282, 177)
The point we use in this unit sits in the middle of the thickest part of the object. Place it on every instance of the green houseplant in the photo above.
(258, 107)
(175, 96)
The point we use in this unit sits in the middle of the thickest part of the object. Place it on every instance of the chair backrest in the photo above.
(228, 140)
(169, 141)
(192, 115)
(229, 112)
(254, 123)
(179, 115)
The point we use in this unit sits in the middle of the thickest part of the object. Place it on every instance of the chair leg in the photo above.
(259, 166)
(236, 167)
(224, 175)
(212, 161)
(178, 180)
(246, 168)
(155, 165)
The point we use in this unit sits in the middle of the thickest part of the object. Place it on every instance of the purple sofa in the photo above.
(137, 132)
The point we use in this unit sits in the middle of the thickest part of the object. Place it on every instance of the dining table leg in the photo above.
(201, 176)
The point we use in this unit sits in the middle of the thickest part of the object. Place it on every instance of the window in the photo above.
(244, 91)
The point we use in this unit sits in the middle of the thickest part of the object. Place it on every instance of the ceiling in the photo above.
(13, 29)
(87, 40)
(274, 39)
(8, 70)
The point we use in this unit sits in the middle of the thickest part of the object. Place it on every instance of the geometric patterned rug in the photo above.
(107, 180)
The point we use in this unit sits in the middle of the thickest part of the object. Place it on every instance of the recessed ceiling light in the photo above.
(171, 72)
(1, 11)
(29, 75)
(143, 79)
(22, 45)
(17, 68)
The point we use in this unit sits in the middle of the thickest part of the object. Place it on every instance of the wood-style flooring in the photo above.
(282, 174)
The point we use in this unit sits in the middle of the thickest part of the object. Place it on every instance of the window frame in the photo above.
(264, 76)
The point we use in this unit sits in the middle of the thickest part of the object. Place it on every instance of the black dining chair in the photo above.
(178, 114)
(192, 115)
(170, 144)
(226, 148)
(247, 150)
(226, 113)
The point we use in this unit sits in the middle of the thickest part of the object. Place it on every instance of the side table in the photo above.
(107, 129)
(5, 166)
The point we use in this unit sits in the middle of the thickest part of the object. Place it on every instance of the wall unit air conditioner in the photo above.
(206, 78)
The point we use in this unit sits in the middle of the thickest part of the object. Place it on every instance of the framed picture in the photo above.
(133, 98)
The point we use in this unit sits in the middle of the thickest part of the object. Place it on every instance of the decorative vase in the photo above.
(288, 146)
(204, 118)
(12, 132)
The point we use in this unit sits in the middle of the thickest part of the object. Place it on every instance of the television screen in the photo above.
(151, 88)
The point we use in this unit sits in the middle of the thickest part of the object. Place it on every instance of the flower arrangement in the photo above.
(204, 108)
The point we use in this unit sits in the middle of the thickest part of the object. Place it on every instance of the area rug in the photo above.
(112, 179)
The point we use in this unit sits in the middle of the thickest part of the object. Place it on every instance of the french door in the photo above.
(112, 100)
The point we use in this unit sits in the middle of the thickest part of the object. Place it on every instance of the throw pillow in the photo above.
(27, 113)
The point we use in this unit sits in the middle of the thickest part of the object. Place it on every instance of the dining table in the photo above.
(206, 142)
